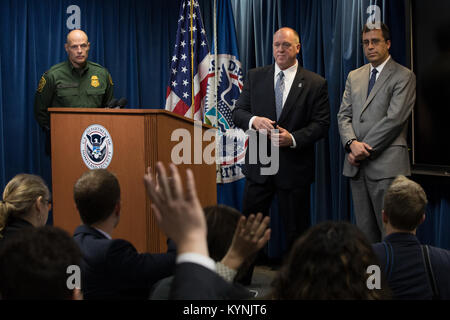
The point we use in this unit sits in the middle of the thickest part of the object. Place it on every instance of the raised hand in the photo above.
(251, 235)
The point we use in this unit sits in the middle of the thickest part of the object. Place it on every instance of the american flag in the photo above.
(190, 64)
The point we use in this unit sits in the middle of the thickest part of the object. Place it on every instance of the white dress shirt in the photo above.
(104, 233)
(379, 68)
(289, 76)
(196, 258)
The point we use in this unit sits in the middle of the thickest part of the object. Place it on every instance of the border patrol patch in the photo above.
(41, 85)
(94, 81)
(110, 80)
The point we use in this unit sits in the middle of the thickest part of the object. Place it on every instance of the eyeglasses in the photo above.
(374, 42)
(49, 203)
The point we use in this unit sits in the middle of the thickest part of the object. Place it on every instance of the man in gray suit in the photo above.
(373, 124)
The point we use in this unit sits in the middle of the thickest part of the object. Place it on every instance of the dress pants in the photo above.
(368, 202)
(293, 204)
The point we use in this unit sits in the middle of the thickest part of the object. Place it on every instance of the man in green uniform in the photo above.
(74, 83)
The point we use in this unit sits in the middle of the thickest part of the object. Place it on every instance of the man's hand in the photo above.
(178, 213)
(351, 158)
(360, 150)
(282, 138)
(261, 123)
(251, 235)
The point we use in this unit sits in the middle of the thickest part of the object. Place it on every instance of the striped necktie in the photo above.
(279, 89)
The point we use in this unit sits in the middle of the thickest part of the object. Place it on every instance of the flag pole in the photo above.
(192, 59)
(216, 124)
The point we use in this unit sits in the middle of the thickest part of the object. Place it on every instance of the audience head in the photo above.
(27, 197)
(33, 265)
(404, 204)
(97, 195)
(221, 221)
(329, 261)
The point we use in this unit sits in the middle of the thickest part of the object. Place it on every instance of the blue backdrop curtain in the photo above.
(134, 39)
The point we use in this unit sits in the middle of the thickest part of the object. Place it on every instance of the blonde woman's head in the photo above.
(26, 196)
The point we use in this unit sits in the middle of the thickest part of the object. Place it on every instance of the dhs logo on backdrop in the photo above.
(96, 147)
(231, 141)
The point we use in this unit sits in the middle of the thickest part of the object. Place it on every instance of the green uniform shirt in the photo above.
(65, 86)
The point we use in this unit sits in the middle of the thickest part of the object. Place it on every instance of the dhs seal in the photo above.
(96, 147)
(232, 142)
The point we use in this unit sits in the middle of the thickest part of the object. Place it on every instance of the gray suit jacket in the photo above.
(380, 120)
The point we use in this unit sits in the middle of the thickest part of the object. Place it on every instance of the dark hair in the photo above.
(329, 261)
(221, 221)
(33, 264)
(384, 29)
(96, 194)
(404, 204)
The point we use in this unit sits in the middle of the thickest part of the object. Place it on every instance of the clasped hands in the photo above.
(359, 152)
(280, 139)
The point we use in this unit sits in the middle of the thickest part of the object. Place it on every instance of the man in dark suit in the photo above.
(286, 97)
(112, 269)
(373, 124)
(401, 255)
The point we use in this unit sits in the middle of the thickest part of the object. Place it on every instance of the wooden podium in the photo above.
(140, 138)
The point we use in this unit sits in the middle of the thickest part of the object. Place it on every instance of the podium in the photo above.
(133, 140)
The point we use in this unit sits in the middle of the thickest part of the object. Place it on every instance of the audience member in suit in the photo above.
(112, 269)
(34, 265)
(180, 215)
(373, 124)
(228, 245)
(26, 203)
(329, 262)
(401, 253)
(288, 98)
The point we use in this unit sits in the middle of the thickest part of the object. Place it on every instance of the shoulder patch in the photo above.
(110, 80)
(41, 85)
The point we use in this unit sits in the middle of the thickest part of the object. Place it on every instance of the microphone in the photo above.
(121, 103)
(112, 103)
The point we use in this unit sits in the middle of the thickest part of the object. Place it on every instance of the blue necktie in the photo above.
(373, 78)
(279, 89)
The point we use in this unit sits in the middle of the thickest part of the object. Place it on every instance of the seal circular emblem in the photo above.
(96, 147)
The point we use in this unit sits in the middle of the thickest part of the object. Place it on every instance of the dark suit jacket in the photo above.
(306, 115)
(113, 269)
(195, 282)
(408, 278)
(13, 225)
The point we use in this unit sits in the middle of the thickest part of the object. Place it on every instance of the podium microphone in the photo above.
(122, 103)
(112, 103)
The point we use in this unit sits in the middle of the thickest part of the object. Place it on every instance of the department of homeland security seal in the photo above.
(96, 147)
(231, 141)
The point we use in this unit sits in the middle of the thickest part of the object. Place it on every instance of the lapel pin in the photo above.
(300, 85)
